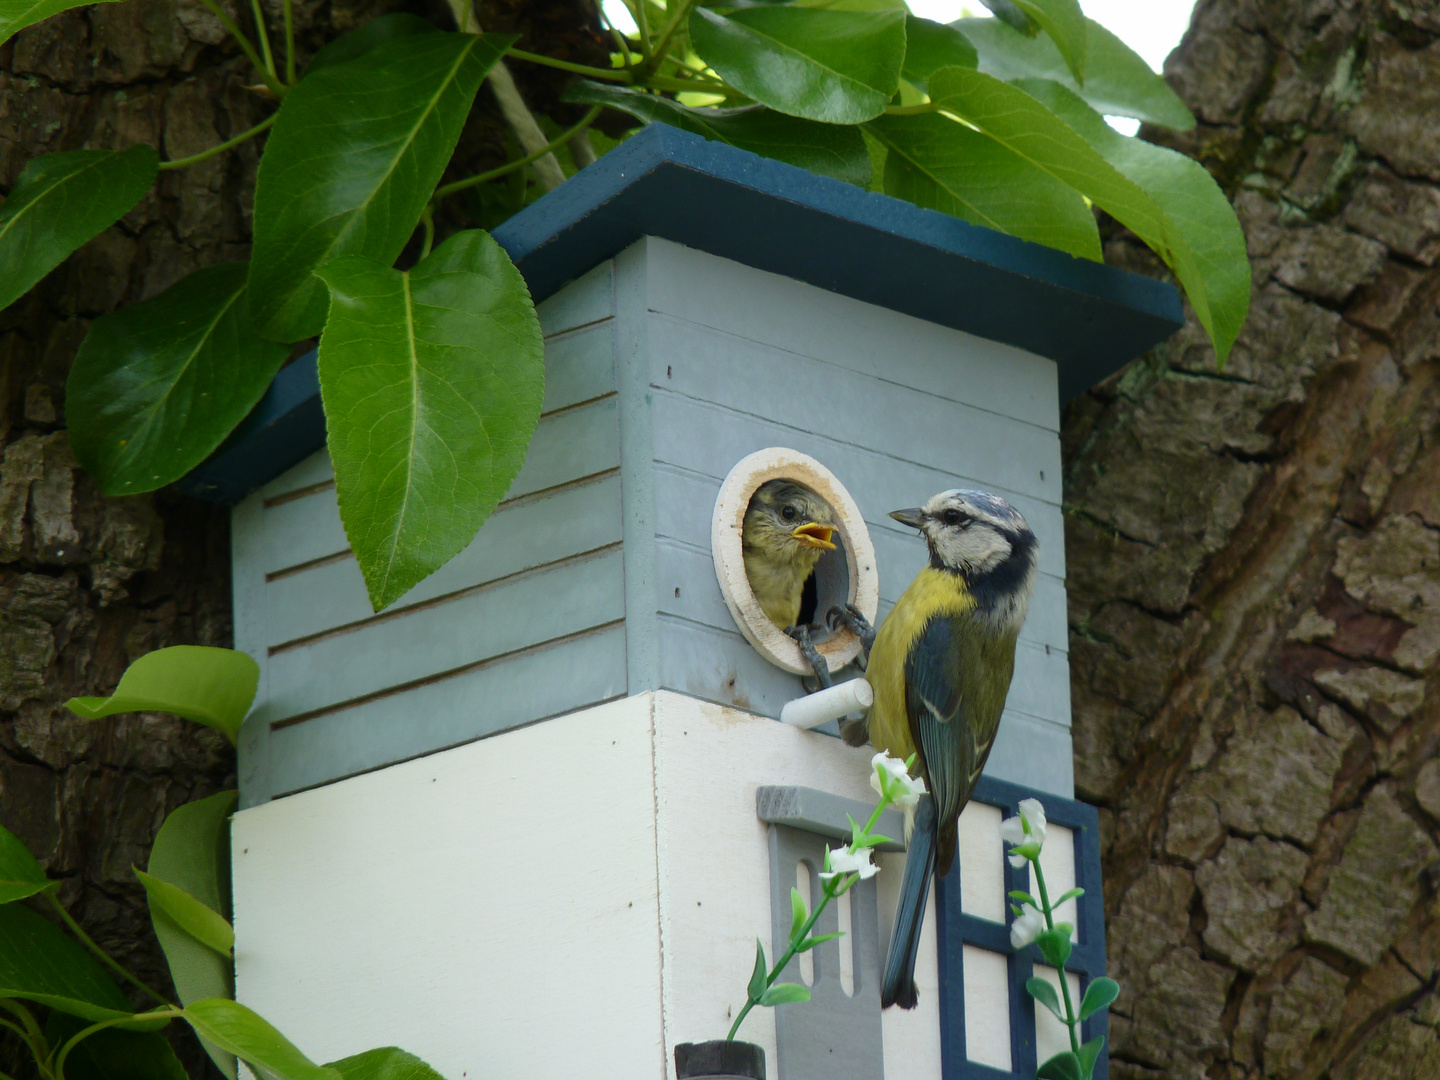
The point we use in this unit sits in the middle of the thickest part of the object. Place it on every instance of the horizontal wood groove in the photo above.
(508, 504)
(309, 564)
(576, 329)
(436, 601)
(575, 406)
(441, 676)
(298, 493)
(680, 320)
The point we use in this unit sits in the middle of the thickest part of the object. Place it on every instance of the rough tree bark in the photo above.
(87, 584)
(1254, 574)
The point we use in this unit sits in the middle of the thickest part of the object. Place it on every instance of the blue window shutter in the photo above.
(955, 929)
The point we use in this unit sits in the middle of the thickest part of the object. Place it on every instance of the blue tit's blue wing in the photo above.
(935, 701)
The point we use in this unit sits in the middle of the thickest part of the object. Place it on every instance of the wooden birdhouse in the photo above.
(528, 821)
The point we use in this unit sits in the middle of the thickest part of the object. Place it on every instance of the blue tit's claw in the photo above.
(818, 664)
(849, 617)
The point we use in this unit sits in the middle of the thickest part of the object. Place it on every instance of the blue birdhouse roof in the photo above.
(1091, 319)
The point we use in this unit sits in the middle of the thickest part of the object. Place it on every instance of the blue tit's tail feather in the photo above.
(898, 985)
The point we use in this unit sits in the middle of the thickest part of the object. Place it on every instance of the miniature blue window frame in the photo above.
(955, 930)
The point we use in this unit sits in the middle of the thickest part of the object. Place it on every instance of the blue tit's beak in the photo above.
(914, 517)
(815, 535)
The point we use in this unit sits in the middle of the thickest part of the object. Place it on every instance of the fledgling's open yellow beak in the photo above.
(814, 535)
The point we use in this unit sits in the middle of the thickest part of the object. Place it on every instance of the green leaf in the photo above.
(112, 1054)
(1007, 12)
(1064, 1066)
(818, 939)
(1090, 1053)
(839, 67)
(1024, 898)
(384, 1063)
(941, 165)
(432, 381)
(351, 162)
(785, 994)
(1055, 945)
(192, 852)
(758, 976)
(1117, 81)
(15, 15)
(825, 149)
(363, 39)
(1068, 894)
(1065, 24)
(20, 874)
(205, 926)
(40, 963)
(1028, 127)
(870, 840)
(210, 686)
(798, 914)
(1042, 991)
(158, 385)
(930, 46)
(1098, 995)
(62, 200)
(240, 1031)
(1207, 244)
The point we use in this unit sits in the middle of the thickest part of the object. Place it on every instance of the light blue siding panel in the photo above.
(1033, 752)
(809, 395)
(709, 440)
(313, 470)
(587, 299)
(510, 692)
(579, 442)
(579, 366)
(691, 571)
(518, 536)
(873, 340)
(514, 613)
(567, 446)
(720, 666)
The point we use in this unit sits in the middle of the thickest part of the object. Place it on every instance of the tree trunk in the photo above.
(1254, 576)
(87, 584)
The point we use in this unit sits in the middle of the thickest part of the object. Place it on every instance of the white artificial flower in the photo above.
(845, 861)
(905, 790)
(1028, 925)
(1028, 828)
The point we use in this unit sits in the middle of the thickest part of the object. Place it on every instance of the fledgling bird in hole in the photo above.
(786, 529)
(940, 667)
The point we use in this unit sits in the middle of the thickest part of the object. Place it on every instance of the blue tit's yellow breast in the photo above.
(932, 593)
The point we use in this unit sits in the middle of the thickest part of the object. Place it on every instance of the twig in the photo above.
(511, 166)
(194, 159)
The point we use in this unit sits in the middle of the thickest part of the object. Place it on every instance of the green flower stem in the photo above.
(662, 47)
(104, 957)
(1070, 1021)
(620, 39)
(84, 1033)
(520, 163)
(692, 86)
(833, 888)
(642, 22)
(623, 75)
(29, 1034)
(264, 37)
(195, 159)
(289, 43)
(911, 110)
(274, 85)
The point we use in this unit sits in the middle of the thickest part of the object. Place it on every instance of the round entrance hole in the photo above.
(845, 575)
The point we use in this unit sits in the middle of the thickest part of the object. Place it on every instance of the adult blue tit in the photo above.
(940, 668)
(786, 529)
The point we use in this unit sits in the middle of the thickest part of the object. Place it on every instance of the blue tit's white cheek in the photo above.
(978, 549)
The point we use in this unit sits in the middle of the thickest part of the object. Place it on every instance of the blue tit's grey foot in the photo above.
(818, 664)
(849, 617)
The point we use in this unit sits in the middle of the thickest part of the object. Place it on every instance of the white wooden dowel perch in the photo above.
(812, 710)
